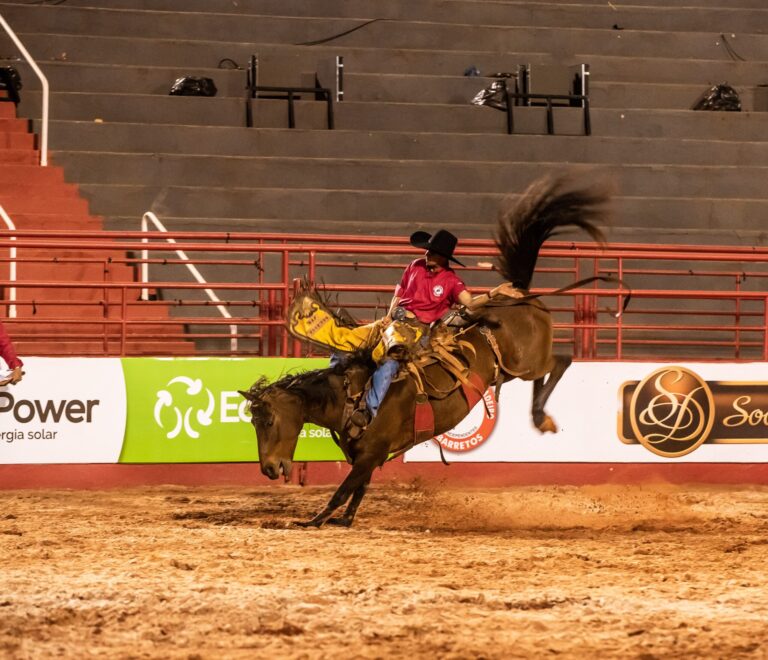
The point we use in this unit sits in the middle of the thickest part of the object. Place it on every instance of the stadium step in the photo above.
(402, 227)
(407, 86)
(488, 23)
(31, 175)
(476, 211)
(56, 191)
(706, 64)
(468, 11)
(19, 157)
(55, 220)
(13, 125)
(52, 205)
(16, 140)
(411, 117)
(73, 266)
(238, 173)
(114, 140)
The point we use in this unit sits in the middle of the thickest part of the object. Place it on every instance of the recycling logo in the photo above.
(170, 414)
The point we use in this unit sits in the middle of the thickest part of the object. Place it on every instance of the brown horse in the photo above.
(520, 347)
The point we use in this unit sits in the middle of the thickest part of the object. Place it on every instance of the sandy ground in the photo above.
(636, 572)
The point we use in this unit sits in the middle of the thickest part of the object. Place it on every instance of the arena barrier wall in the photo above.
(142, 410)
(170, 411)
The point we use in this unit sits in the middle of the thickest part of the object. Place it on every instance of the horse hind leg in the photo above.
(541, 392)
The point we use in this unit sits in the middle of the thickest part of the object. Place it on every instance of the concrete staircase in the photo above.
(410, 151)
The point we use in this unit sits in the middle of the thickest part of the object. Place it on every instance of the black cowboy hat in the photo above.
(441, 242)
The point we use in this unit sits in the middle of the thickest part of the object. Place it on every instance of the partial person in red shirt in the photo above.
(428, 288)
(8, 353)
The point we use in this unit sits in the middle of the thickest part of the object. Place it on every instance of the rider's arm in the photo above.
(395, 302)
(472, 302)
(398, 295)
(14, 377)
(8, 353)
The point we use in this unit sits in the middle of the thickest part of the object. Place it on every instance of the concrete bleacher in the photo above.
(409, 150)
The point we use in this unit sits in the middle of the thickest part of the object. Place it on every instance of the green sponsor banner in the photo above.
(189, 411)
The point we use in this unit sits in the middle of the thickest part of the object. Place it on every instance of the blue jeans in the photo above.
(382, 379)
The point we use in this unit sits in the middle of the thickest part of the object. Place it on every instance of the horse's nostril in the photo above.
(271, 471)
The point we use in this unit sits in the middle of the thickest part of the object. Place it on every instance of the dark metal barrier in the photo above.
(289, 93)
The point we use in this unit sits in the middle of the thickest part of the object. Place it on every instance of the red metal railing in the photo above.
(78, 293)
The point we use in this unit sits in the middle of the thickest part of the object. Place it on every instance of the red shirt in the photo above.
(428, 295)
(7, 351)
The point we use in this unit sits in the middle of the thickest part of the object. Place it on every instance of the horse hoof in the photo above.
(306, 523)
(340, 522)
(548, 425)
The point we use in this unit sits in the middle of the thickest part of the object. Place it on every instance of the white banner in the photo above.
(73, 410)
(65, 410)
(624, 412)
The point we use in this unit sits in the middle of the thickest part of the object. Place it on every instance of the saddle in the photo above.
(443, 347)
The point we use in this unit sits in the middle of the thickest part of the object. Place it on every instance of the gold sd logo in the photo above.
(671, 411)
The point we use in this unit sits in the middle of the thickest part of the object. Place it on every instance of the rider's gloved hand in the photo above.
(15, 376)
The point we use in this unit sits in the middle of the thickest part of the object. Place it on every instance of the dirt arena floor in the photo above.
(167, 572)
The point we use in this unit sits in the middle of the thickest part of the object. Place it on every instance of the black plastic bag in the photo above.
(495, 94)
(9, 74)
(720, 97)
(190, 86)
(10, 81)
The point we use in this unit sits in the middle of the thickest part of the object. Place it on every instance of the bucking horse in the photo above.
(508, 337)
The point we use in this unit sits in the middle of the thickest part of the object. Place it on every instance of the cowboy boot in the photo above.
(357, 423)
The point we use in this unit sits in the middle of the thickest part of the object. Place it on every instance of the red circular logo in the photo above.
(474, 429)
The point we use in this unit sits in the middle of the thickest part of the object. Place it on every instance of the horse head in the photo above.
(277, 415)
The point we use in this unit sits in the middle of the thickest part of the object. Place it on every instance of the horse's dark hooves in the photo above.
(340, 522)
(307, 523)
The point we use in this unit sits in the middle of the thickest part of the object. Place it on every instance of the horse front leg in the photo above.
(354, 502)
(355, 484)
(542, 391)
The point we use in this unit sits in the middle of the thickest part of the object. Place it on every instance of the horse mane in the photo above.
(549, 205)
(313, 387)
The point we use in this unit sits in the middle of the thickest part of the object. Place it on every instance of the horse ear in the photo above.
(247, 395)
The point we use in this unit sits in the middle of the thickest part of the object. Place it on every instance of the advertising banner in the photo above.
(189, 410)
(630, 412)
(143, 410)
(64, 411)
(153, 410)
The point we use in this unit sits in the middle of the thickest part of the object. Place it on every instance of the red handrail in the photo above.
(362, 271)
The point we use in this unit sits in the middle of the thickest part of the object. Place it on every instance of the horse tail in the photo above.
(549, 205)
